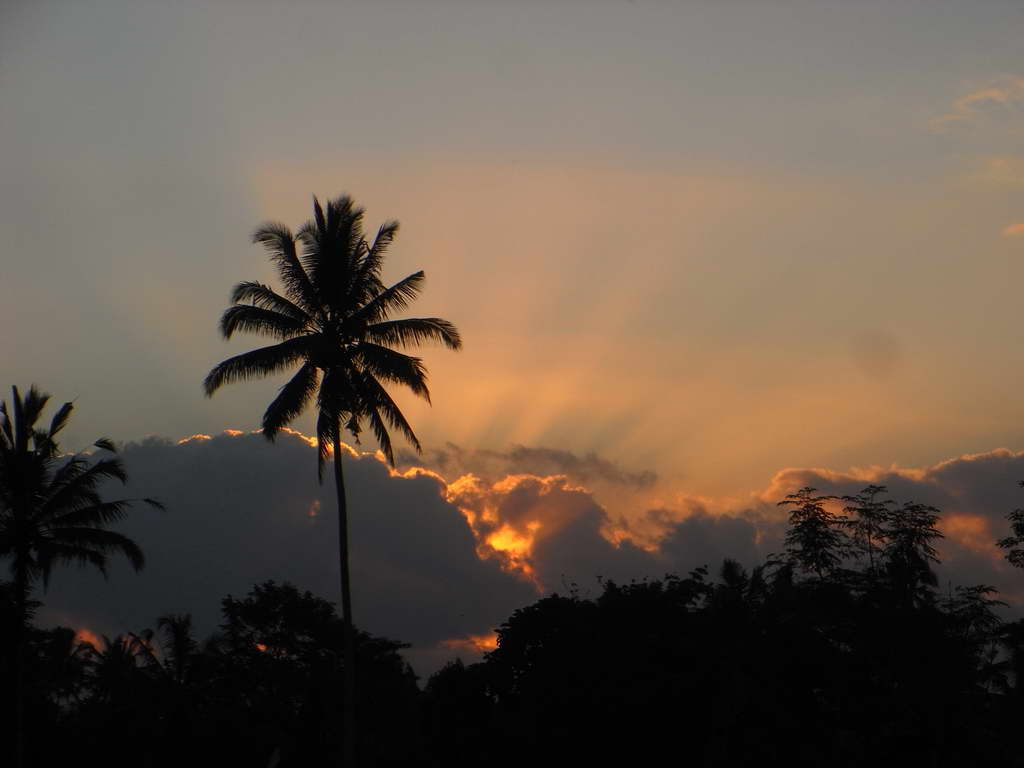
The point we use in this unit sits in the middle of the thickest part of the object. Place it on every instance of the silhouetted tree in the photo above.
(815, 540)
(281, 666)
(868, 524)
(976, 628)
(333, 322)
(566, 663)
(51, 510)
(177, 643)
(909, 553)
(64, 662)
(1014, 545)
(124, 707)
(460, 712)
(118, 665)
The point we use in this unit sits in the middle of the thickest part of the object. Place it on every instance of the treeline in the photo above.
(842, 650)
(266, 687)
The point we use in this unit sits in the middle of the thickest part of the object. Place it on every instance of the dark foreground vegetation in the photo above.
(841, 651)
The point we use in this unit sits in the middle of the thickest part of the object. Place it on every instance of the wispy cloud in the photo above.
(1014, 230)
(1000, 98)
(1002, 170)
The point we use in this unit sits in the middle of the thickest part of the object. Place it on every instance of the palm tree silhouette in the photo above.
(117, 663)
(51, 510)
(333, 321)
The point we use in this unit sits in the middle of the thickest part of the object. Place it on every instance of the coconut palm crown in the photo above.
(51, 512)
(51, 509)
(334, 322)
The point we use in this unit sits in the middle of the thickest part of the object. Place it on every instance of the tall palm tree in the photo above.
(51, 510)
(333, 320)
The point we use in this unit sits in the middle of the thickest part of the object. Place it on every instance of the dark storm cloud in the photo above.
(706, 540)
(983, 484)
(242, 510)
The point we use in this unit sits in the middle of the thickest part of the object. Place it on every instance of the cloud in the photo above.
(437, 563)
(1002, 170)
(242, 510)
(521, 460)
(1014, 230)
(440, 560)
(704, 539)
(998, 100)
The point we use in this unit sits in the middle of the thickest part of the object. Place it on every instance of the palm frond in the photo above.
(68, 471)
(99, 514)
(326, 427)
(380, 431)
(96, 540)
(6, 427)
(44, 446)
(318, 215)
(267, 298)
(265, 322)
(106, 444)
(382, 403)
(56, 552)
(264, 361)
(396, 367)
(32, 407)
(21, 431)
(368, 262)
(385, 236)
(397, 297)
(280, 243)
(76, 485)
(94, 515)
(60, 419)
(291, 400)
(414, 331)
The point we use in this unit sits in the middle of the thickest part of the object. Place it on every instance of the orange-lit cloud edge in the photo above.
(512, 541)
(510, 515)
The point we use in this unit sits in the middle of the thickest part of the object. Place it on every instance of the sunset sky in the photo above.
(697, 244)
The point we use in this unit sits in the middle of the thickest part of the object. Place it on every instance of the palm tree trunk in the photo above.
(348, 731)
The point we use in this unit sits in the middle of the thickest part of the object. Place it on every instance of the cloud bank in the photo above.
(442, 555)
